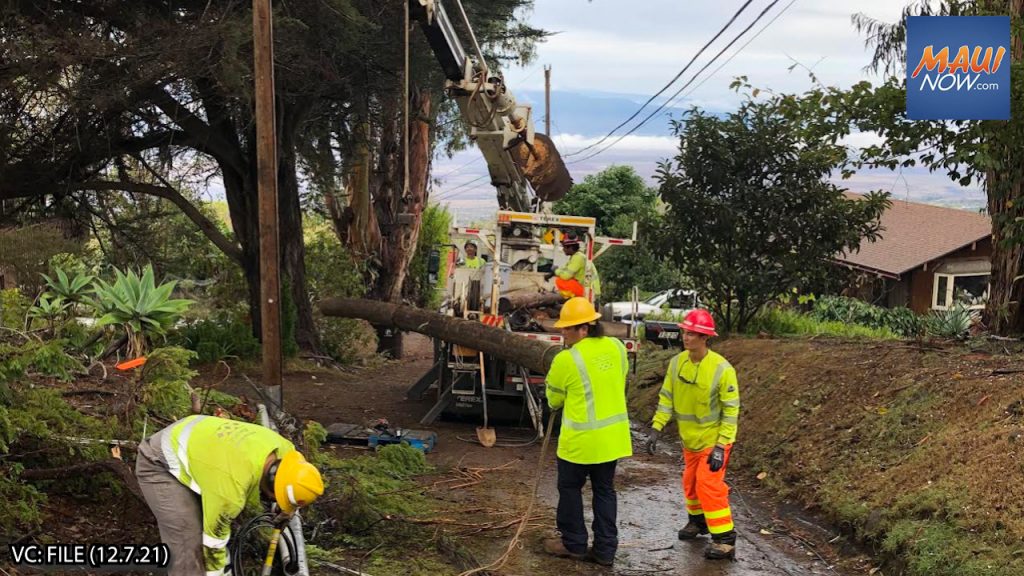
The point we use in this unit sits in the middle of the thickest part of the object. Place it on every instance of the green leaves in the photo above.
(72, 289)
(751, 212)
(139, 305)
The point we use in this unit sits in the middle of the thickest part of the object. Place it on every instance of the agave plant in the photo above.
(954, 323)
(49, 308)
(139, 306)
(72, 289)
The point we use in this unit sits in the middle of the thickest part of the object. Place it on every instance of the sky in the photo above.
(607, 57)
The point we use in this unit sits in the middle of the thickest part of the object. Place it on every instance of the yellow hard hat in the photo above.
(297, 482)
(577, 311)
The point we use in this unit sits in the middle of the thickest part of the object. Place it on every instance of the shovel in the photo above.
(484, 434)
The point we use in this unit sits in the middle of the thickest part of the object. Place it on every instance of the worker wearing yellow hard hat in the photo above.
(587, 381)
(198, 474)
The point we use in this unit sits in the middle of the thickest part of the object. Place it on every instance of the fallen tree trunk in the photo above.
(113, 465)
(511, 302)
(531, 354)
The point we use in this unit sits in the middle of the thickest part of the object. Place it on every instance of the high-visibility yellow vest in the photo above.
(222, 461)
(588, 381)
(583, 271)
(474, 262)
(703, 398)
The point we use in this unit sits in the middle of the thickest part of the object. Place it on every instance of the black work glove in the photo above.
(652, 441)
(716, 459)
(549, 276)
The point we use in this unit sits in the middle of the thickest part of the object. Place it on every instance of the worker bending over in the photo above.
(588, 382)
(578, 274)
(701, 393)
(198, 474)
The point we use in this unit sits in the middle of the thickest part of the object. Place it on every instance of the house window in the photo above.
(970, 289)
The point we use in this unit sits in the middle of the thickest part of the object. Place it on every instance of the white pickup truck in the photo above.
(675, 301)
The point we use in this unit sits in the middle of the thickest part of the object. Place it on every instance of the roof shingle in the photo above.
(914, 234)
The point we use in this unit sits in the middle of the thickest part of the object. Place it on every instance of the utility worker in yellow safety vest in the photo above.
(198, 474)
(588, 382)
(471, 260)
(578, 274)
(701, 394)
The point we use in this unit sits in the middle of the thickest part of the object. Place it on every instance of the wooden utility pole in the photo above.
(266, 158)
(547, 100)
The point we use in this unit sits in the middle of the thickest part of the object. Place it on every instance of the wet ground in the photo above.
(650, 500)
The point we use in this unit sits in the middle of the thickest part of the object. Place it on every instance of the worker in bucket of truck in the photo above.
(578, 274)
(588, 382)
(471, 261)
(701, 394)
(198, 474)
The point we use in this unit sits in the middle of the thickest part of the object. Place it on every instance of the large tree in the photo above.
(751, 211)
(105, 96)
(968, 151)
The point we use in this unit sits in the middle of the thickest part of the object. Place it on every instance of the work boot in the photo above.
(722, 546)
(603, 561)
(694, 528)
(555, 547)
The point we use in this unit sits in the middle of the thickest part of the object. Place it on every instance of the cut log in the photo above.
(510, 302)
(531, 354)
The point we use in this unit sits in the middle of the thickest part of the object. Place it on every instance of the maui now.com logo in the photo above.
(958, 67)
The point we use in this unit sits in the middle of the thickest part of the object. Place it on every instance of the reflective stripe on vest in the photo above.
(715, 410)
(592, 422)
(177, 460)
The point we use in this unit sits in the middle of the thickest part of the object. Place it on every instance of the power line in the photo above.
(734, 54)
(452, 193)
(683, 87)
(671, 82)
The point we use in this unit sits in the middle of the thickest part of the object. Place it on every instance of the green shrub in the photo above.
(788, 322)
(899, 320)
(166, 392)
(13, 307)
(218, 338)
(44, 358)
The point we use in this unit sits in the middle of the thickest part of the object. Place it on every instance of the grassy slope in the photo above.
(915, 451)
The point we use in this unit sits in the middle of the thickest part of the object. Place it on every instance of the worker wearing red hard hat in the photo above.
(701, 394)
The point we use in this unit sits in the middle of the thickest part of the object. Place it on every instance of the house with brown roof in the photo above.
(928, 258)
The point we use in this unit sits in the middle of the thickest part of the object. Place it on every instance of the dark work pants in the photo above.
(571, 478)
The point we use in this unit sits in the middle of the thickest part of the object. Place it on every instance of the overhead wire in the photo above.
(671, 82)
(734, 54)
(683, 87)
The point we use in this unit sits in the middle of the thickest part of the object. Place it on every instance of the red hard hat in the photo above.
(570, 239)
(699, 321)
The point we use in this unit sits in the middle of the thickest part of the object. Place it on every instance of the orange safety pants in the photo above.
(706, 491)
(570, 286)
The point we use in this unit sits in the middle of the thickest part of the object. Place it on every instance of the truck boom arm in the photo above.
(518, 159)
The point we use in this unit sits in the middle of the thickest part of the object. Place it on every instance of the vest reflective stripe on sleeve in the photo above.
(664, 409)
(732, 403)
(555, 388)
(177, 460)
(592, 422)
(212, 542)
(730, 420)
(215, 572)
(666, 393)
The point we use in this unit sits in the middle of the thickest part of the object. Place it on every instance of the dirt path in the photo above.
(650, 507)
